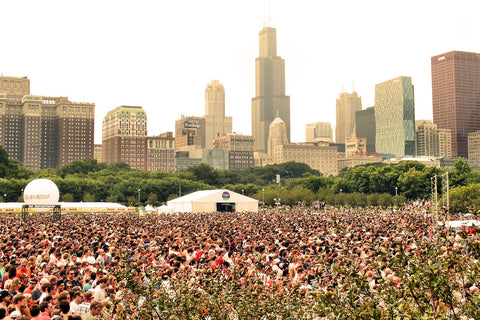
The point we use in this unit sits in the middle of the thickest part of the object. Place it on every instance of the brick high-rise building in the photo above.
(161, 152)
(124, 137)
(240, 148)
(456, 96)
(43, 132)
(75, 123)
(270, 100)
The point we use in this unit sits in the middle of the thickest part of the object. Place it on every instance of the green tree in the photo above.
(82, 166)
(87, 197)
(67, 197)
(112, 198)
(119, 166)
(462, 197)
(206, 174)
(132, 201)
(413, 184)
(312, 182)
(358, 180)
(10, 168)
(462, 174)
(152, 199)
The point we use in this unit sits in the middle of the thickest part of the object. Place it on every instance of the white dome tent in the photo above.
(41, 192)
(213, 200)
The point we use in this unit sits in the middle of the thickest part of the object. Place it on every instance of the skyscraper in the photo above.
(395, 118)
(124, 137)
(43, 132)
(365, 126)
(347, 105)
(216, 124)
(456, 96)
(270, 100)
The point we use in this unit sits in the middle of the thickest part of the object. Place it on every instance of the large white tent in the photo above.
(213, 200)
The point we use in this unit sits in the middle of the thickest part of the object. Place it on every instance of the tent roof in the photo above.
(70, 205)
(212, 195)
(462, 223)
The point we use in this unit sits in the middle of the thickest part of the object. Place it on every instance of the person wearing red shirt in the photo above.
(23, 269)
(45, 311)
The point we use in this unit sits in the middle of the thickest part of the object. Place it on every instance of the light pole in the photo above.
(396, 191)
(179, 182)
(263, 199)
(243, 192)
(139, 197)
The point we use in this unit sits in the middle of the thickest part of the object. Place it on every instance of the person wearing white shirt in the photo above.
(77, 298)
(100, 290)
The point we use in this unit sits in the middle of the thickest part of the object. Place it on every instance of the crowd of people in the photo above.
(67, 269)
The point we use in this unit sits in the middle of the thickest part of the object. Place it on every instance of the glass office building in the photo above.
(395, 118)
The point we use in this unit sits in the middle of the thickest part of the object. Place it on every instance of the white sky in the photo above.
(161, 54)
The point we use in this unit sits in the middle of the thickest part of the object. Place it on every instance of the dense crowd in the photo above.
(68, 269)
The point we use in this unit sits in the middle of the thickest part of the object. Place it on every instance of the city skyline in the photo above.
(161, 55)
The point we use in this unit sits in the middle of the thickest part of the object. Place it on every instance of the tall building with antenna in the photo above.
(347, 105)
(270, 99)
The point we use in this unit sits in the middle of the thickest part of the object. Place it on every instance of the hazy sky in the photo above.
(161, 54)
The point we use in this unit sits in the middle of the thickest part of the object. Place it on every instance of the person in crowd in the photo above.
(84, 307)
(95, 311)
(77, 298)
(45, 311)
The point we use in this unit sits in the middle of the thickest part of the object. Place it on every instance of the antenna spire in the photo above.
(264, 15)
(269, 13)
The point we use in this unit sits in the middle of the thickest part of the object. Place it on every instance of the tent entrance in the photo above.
(226, 206)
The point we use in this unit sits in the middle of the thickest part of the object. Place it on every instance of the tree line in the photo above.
(374, 184)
